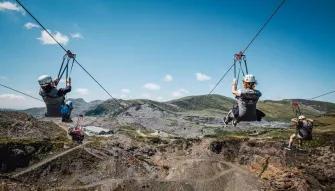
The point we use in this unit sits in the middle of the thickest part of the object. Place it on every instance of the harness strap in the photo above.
(241, 69)
(245, 64)
(66, 68)
(296, 109)
(61, 67)
(238, 75)
(71, 67)
(235, 68)
(68, 58)
(239, 57)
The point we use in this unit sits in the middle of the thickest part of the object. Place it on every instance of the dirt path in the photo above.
(47, 160)
(230, 177)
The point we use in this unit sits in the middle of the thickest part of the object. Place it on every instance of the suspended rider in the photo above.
(246, 98)
(54, 98)
(77, 132)
(66, 110)
(304, 128)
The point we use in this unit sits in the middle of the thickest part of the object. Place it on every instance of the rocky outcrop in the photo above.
(280, 169)
(23, 138)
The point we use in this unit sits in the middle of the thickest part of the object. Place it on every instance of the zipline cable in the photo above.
(98, 83)
(327, 93)
(252, 40)
(33, 97)
(60, 45)
(224, 75)
(264, 25)
(41, 25)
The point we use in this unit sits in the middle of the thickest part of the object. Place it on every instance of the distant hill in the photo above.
(275, 110)
(318, 105)
(203, 102)
(111, 107)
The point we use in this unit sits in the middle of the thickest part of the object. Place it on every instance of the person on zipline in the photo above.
(304, 128)
(54, 98)
(246, 98)
(77, 132)
(66, 110)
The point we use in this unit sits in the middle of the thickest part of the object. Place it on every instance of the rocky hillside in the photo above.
(133, 160)
(204, 102)
(19, 126)
(23, 139)
(111, 107)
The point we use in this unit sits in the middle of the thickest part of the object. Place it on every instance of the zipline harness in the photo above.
(68, 59)
(238, 59)
(296, 109)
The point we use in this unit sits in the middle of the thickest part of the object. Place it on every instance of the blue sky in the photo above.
(130, 46)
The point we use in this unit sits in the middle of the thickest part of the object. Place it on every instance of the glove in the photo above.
(234, 82)
(68, 82)
(56, 81)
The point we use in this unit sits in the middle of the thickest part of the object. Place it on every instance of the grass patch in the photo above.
(219, 133)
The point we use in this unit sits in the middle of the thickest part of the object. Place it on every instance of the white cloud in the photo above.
(151, 86)
(151, 97)
(159, 98)
(77, 35)
(125, 91)
(8, 6)
(3, 78)
(82, 91)
(46, 39)
(168, 78)
(179, 93)
(30, 25)
(11, 97)
(202, 77)
(14, 101)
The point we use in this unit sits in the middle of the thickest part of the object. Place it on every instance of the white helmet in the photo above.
(301, 117)
(249, 78)
(44, 80)
(68, 103)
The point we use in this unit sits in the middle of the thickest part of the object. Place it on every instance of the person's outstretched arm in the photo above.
(234, 88)
(56, 81)
(63, 91)
(67, 89)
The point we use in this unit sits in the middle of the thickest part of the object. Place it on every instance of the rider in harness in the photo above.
(66, 110)
(54, 98)
(77, 132)
(247, 98)
(304, 128)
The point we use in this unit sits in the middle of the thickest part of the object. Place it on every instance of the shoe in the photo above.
(225, 121)
(288, 148)
(234, 123)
